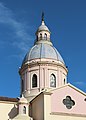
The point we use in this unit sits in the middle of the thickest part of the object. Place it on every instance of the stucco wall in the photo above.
(47, 106)
(7, 110)
(61, 117)
(49, 115)
(60, 94)
(42, 107)
(37, 107)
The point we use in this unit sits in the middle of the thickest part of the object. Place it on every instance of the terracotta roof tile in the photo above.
(8, 99)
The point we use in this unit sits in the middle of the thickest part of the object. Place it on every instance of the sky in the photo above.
(19, 20)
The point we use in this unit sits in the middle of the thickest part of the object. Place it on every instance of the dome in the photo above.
(43, 27)
(43, 47)
(43, 50)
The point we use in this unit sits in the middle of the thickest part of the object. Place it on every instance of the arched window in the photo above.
(24, 110)
(52, 80)
(34, 81)
(40, 35)
(45, 36)
(64, 81)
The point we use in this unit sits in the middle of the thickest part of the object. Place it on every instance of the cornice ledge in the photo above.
(68, 114)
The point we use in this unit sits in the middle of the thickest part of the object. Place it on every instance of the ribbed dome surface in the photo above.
(43, 51)
(42, 28)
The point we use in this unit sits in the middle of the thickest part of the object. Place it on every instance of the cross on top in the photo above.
(68, 102)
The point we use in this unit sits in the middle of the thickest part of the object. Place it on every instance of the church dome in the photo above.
(43, 68)
(43, 47)
(43, 50)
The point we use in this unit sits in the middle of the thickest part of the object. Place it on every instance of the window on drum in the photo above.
(34, 81)
(52, 80)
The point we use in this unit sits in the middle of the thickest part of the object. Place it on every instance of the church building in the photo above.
(45, 92)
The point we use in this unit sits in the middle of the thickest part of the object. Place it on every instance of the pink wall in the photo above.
(60, 94)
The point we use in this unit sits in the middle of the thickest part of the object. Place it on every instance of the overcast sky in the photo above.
(19, 20)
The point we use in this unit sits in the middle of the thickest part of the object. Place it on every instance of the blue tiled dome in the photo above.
(43, 50)
(43, 47)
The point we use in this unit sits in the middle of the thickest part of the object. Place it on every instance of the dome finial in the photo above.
(42, 16)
